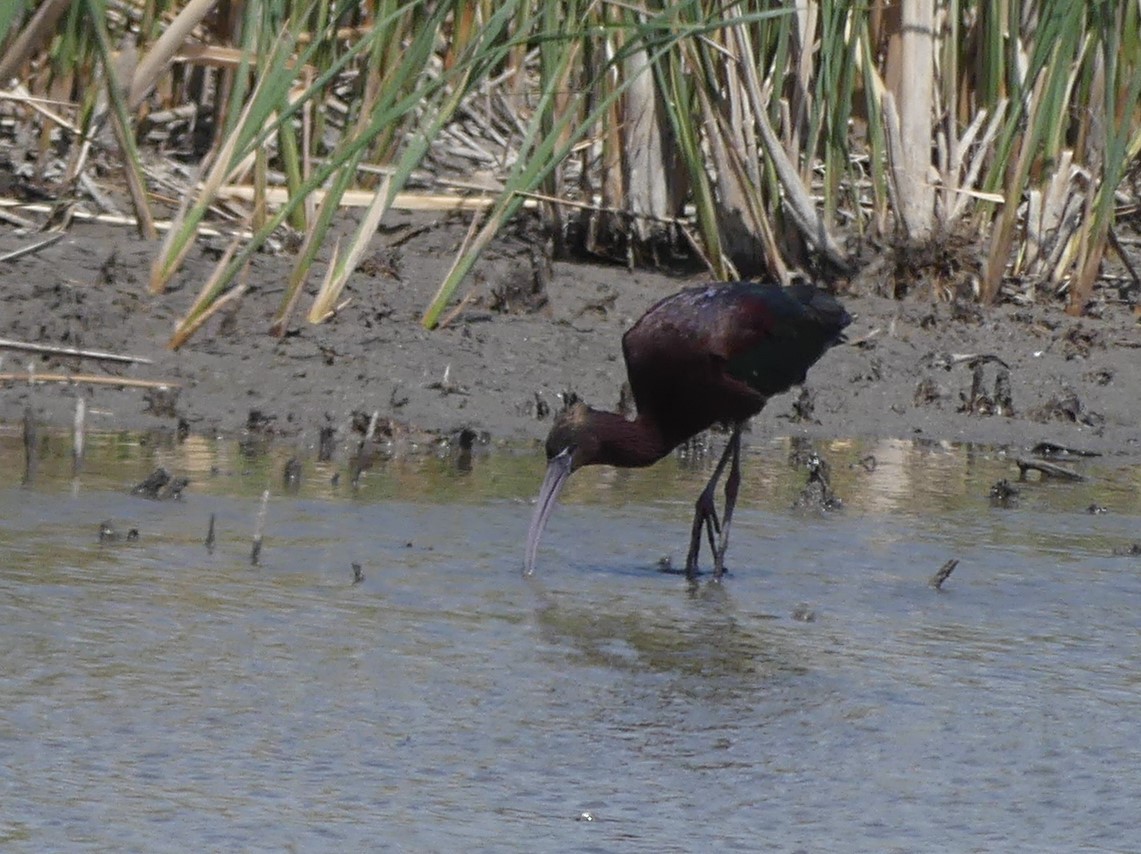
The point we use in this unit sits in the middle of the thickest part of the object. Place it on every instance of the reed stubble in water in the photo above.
(259, 529)
(944, 573)
(79, 434)
(31, 435)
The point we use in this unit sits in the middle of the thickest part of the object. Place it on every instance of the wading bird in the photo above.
(706, 355)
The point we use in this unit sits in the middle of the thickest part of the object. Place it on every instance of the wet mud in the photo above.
(913, 368)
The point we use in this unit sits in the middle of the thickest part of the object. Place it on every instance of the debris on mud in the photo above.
(977, 401)
(803, 408)
(162, 402)
(928, 391)
(1077, 342)
(1068, 408)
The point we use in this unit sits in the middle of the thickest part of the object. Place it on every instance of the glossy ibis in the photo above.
(706, 355)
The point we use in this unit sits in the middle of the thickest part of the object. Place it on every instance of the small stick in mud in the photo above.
(51, 349)
(31, 248)
(30, 442)
(80, 431)
(944, 573)
(259, 527)
(326, 444)
(1003, 398)
(32, 378)
(210, 536)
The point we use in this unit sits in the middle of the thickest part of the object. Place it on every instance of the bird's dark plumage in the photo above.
(705, 355)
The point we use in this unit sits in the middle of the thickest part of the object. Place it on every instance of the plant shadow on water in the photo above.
(823, 696)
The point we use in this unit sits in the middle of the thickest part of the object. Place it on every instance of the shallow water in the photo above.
(157, 696)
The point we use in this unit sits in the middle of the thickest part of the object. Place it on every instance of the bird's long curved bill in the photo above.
(558, 470)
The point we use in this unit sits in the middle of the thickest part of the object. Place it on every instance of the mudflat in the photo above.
(913, 368)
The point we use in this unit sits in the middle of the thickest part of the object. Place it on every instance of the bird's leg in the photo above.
(732, 484)
(705, 515)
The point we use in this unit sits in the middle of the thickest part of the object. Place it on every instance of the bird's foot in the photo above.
(718, 564)
(719, 550)
(705, 520)
(691, 570)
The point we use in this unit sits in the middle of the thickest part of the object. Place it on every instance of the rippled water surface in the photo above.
(158, 696)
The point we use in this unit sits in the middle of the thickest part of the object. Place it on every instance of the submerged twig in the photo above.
(210, 536)
(1046, 470)
(944, 573)
(259, 526)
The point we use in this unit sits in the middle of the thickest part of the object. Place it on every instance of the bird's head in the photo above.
(571, 444)
(571, 436)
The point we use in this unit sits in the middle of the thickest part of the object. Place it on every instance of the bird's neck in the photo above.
(628, 444)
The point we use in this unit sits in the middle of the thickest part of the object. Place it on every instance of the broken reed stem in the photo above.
(1046, 470)
(944, 573)
(113, 219)
(31, 248)
(210, 535)
(31, 378)
(79, 434)
(259, 527)
(30, 347)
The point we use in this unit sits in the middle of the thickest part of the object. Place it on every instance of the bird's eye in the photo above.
(556, 452)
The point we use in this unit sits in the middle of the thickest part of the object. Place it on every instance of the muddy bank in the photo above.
(910, 375)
